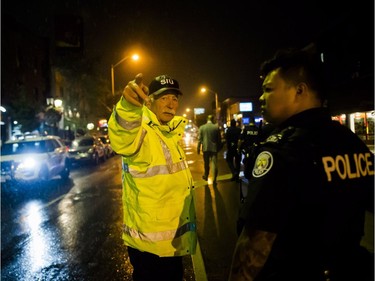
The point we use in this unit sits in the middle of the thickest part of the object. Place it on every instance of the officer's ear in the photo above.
(301, 88)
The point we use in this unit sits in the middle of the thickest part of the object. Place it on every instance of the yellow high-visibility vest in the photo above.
(158, 208)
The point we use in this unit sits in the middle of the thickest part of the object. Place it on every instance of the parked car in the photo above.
(34, 159)
(87, 149)
(107, 145)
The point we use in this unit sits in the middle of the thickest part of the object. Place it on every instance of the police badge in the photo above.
(263, 164)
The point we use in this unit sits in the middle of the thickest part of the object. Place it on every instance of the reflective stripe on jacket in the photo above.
(158, 206)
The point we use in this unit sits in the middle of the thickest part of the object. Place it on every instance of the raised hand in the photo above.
(136, 92)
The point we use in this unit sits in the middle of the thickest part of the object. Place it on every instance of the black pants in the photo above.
(233, 159)
(150, 267)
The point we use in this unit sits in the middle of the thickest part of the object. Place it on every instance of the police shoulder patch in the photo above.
(273, 138)
(263, 164)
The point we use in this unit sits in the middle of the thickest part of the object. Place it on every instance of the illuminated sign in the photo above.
(198, 110)
(246, 106)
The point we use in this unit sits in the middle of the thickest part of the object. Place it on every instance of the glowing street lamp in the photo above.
(203, 90)
(133, 57)
(187, 110)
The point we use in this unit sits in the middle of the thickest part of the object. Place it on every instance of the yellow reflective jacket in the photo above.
(159, 212)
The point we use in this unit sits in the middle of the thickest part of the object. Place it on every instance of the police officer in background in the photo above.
(311, 185)
(249, 134)
(233, 157)
(249, 139)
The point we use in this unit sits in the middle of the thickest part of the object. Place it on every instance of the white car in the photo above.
(34, 159)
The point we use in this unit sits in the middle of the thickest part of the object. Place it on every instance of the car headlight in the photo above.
(28, 163)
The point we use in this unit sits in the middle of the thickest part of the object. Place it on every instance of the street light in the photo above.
(133, 57)
(203, 90)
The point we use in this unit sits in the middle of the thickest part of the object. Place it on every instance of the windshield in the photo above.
(84, 142)
(23, 148)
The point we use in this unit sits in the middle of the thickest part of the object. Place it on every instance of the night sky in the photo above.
(219, 45)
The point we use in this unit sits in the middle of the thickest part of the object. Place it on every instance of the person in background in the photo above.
(159, 220)
(249, 135)
(248, 142)
(209, 141)
(233, 157)
(264, 130)
(311, 185)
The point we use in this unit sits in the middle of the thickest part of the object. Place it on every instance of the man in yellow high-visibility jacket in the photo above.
(159, 213)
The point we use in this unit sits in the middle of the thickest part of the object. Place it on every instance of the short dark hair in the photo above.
(296, 66)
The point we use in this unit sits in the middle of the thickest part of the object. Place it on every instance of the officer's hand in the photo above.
(136, 92)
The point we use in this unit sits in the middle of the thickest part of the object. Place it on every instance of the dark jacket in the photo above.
(232, 137)
(312, 183)
(249, 136)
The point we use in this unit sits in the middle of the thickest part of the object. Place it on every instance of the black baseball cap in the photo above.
(164, 83)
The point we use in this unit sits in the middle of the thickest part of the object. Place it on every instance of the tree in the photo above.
(84, 90)
(24, 110)
(52, 116)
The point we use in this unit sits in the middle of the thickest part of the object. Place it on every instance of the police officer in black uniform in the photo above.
(249, 134)
(248, 140)
(311, 185)
(233, 157)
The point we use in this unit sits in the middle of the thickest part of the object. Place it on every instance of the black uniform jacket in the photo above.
(312, 182)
